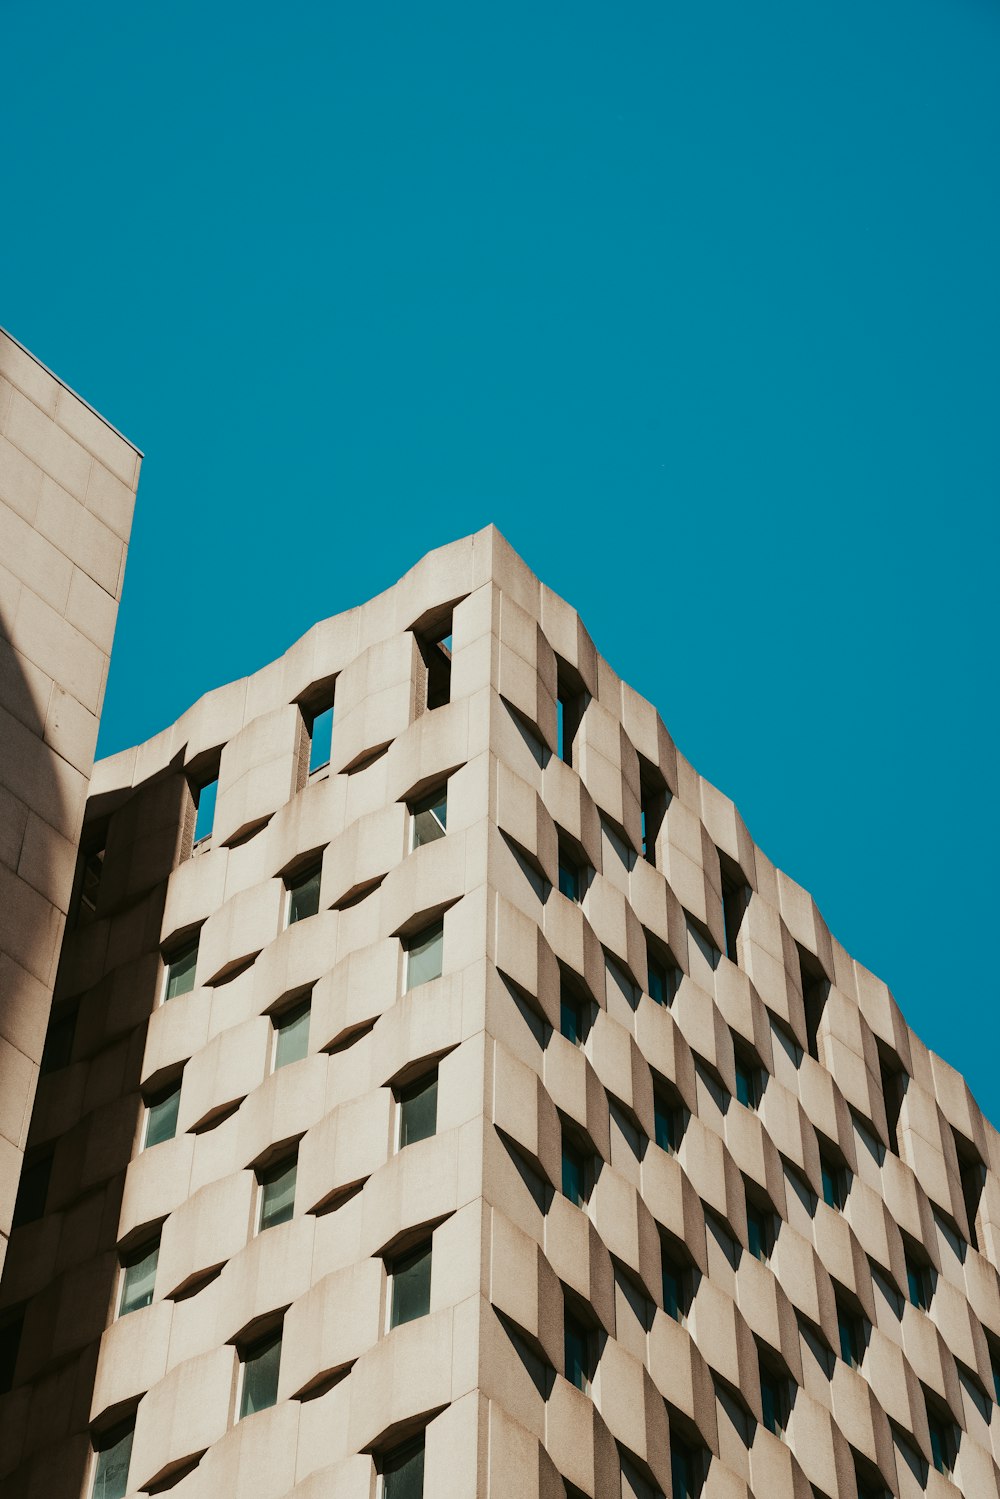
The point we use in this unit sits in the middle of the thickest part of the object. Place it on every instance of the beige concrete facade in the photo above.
(67, 491)
(689, 1209)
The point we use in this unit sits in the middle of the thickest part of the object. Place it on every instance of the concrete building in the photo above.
(460, 1104)
(67, 490)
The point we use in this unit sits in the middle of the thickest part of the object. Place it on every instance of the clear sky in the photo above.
(699, 303)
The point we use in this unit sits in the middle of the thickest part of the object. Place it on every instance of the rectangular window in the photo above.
(815, 989)
(204, 800)
(111, 1463)
(852, 1335)
(180, 970)
(291, 1035)
(894, 1082)
(435, 654)
(735, 900)
(276, 1194)
(89, 873)
(750, 1078)
(836, 1179)
(775, 1398)
(678, 1282)
(944, 1440)
(33, 1188)
(261, 1364)
(410, 1285)
(429, 818)
(570, 875)
(580, 1348)
(161, 1116)
(663, 977)
(424, 956)
(668, 1121)
(417, 1107)
(573, 1016)
(653, 798)
(320, 725)
(918, 1279)
(575, 1172)
(303, 894)
(401, 1472)
(138, 1279)
(972, 1174)
(761, 1232)
(688, 1467)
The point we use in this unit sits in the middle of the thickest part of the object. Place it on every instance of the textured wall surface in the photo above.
(67, 490)
(686, 1151)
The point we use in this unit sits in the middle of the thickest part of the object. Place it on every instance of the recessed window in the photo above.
(291, 1034)
(972, 1174)
(688, 1467)
(653, 799)
(815, 990)
(735, 900)
(180, 970)
(571, 877)
(851, 1327)
(319, 726)
(836, 1179)
(668, 1120)
(409, 1285)
(894, 1081)
(58, 1050)
(90, 871)
(429, 818)
(424, 956)
(574, 1013)
(663, 977)
(401, 1472)
(750, 1078)
(276, 1193)
(576, 1171)
(260, 1364)
(580, 1348)
(762, 1230)
(111, 1462)
(11, 1328)
(775, 1395)
(161, 1116)
(678, 1281)
(33, 1188)
(434, 686)
(303, 894)
(416, 1106)
(138, 1278)
(944, 1437)
(919, 1278)
(571, 702)
(204, 800)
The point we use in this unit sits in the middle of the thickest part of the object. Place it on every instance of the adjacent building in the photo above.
(67, 490)
(448, 1098)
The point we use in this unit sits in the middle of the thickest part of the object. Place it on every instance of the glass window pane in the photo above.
(138, 1282)
(672, 1291)
(577, 1352)
(411, 1286)
(573, 1175)
(205, 819)
(180, 971)
(571, 1022)
(161, 1118)
(430, 817)
(425, 956)
(303, 896)
(277, 1195)
(666, 1124)
(292, 1039)
(569, 878)
(418, 1110)
(321, 739)
(403, 1474)
(111, 1469)
(260, 1378)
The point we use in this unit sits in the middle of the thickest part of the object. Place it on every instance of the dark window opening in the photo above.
(870, 1483)
(410, 1285)
(89, 872)
(919, 1276)
(33, 1189)
(815, 990)
(735, 899)
(303, 894)
(654, 798)
(417, 1106)
(579, 1344)
(853, 1330)
(434, 690)
(777, 1393)
(161, 1116)
(943, 1434)
(973, 1178)
(663, 976)
(572, 872)
(688, 1466)
(571, 702)
(577, 1169)
(574, 1012)
(669, 1117)
(402, 1471)
(836, 1177)
(894, 1081)
(678, 1279)
(762, 1225)
(261, 1361)
(751, 1078)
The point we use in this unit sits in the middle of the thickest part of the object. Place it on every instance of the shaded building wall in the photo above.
(67, 491)
(691, 1177)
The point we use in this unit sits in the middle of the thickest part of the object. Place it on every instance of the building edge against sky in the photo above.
(455, 1100)
(67, 491)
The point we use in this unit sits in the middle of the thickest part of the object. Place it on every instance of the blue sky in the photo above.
(699, 304)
